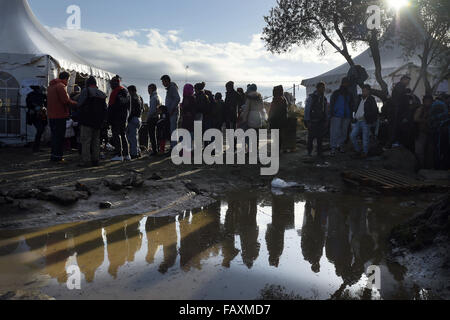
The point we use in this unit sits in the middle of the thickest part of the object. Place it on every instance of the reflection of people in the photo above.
(199, 237)
(282, 219)
(89, 247)
(248, 230)
(313, 233)
(57, 253)
(229, 250)
(162, 231)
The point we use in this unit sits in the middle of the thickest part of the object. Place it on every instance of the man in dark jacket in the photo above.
(218, 111)
(341, 107)
(92, 110)
(37, 113)
(316, 117)
(232, 104)
(172, 103)
(135, 122)
(365, 115)
(399, 105)
(118, 113)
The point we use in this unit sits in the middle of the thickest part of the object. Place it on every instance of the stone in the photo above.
(44, 189)
(67, 197)
(400, 159)
(82, 187)
(23, 193)
(113, 185)
(105, 205)
(155, 177)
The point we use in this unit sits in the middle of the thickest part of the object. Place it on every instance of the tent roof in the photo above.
(21, 34)
(392, 58)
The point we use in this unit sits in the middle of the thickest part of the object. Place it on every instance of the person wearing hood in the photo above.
(341, 107)
(188, 108)
(37, 113)
(135, 122)
(251, 116)
(316, 118)
(172, 104)
(278, 111)
(232, 104)
(152, 120)
(218, 112)
(58, 103)
(92, 111)
(399, 106)
(118, 113)
(202, 101)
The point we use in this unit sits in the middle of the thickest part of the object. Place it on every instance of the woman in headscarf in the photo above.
(278, 111)
(188, 108)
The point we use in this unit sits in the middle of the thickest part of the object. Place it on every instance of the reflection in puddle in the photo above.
(318, 246)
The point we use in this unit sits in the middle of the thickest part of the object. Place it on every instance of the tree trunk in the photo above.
(375, 50)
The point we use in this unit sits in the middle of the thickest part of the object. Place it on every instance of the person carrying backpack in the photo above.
(135, 122)
(92, 110)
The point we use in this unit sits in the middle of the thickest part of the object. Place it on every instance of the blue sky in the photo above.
(218, 40)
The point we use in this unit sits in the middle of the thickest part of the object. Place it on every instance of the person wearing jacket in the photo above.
(58, 103)
(424, 148)
(278, 112)
(399, 105)
(365, 115)
(251, 117)
(135, 122)
(172, 104)
(92, 110)
(341, 107)
(232, 104)
(37, 112)
(316, 118)
(152, 119)
(218, 112)
(118, 114)
(188, 108)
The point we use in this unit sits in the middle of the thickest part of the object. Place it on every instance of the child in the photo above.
(163, 128)
(70, 134)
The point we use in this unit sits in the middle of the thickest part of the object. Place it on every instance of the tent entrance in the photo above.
(10, 109)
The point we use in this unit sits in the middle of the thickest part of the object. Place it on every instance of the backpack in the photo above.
(93, 112)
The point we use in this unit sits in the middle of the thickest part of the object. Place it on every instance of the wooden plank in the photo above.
(378, 178)
(387, 178)
(366, 178)
(399, 176)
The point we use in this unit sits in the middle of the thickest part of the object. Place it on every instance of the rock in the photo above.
(82, 187)
(43, 189)
(400, 159)
(113, 185)
(23, 193)
(155, 177)
(435, 175)
(105, 205)
(192, 187)
(67, 197)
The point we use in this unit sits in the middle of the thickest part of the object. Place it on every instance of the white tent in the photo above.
(394, 64)
(30, 55)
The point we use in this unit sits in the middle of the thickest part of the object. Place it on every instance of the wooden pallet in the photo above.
(387, 181)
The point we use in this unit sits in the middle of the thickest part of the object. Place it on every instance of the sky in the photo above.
(219, 40)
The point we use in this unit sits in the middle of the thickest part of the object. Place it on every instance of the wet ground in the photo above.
(313, 245)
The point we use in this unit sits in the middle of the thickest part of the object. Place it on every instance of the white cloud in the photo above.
(141, 62)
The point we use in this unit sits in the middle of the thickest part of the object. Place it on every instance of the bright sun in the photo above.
(398, 4)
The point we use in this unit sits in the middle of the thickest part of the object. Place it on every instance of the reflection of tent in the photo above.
(30, 55)
(394, 65)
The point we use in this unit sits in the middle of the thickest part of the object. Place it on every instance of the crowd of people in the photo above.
(420, 126)
(85, 117)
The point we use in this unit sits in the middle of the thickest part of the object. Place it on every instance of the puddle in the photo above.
(316, 246)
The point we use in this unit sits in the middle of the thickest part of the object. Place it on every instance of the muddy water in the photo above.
(316, 246)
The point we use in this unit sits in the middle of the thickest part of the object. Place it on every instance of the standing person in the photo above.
(251, 117)
(118, 113)
(135, 122)
(92, 112)
(316, 118)
(232, 104)
(218, 112)
(423, 141)
(439, 124)
(188, 108)
(152, 120)
(278, 112)
(341, 106)
(208, 121)
(59, 104)
(365, 116)
(399, 104)
(172, 104)
(163, 127)
(37, 113)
